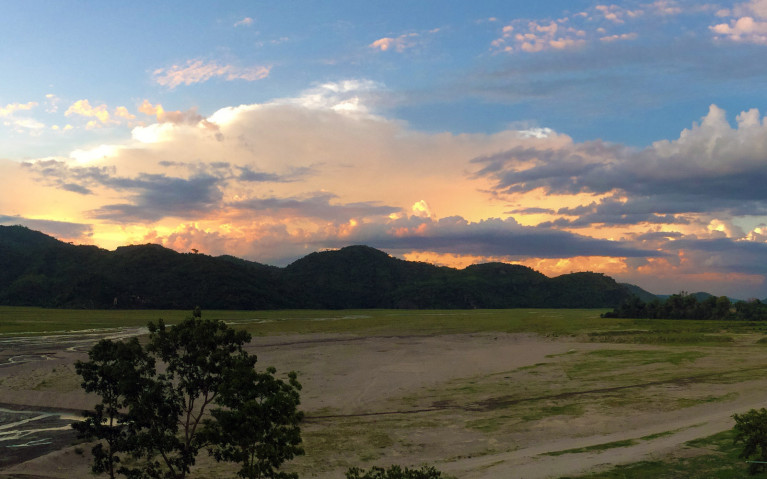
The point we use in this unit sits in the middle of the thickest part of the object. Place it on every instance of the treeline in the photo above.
(38, 270)
(687, 306)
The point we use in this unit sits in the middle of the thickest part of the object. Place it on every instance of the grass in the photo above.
(714, 457)
(503, 405)
(546, 322)
(595, 447)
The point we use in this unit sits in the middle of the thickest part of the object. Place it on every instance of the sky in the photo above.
(625, 138)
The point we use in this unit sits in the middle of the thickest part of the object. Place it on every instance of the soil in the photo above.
(400, 399)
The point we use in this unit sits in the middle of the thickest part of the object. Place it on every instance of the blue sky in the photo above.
(620, 137)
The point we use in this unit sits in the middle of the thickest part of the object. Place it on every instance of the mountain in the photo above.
(640, 293)
(38, 270)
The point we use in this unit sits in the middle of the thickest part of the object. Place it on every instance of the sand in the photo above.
(400, 399)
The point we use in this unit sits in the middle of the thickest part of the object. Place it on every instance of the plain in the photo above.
(477, 393)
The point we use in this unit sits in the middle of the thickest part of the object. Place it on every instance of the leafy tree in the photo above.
(197, 355)
(259, 424)
(158, 418)
(394, 472)
(751, 430)
(118, 372)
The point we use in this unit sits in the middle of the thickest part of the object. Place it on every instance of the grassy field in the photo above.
(546, 322)
(630, 367)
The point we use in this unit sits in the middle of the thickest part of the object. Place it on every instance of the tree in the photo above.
(258, 426)
(751, 429)
(394, 472)
(118, 372)
(158, 418)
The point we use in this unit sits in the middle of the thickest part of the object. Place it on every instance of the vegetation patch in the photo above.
(712, 457)
(659, 337)
(609, 360)
(596, 447)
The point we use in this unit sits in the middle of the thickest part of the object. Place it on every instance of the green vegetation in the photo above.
(596, 447)
(394, 472)
(582, 323)
(630, 368)
(751, 430)
(38, 270)
(712, 457)
(152, 422)
(688, 306)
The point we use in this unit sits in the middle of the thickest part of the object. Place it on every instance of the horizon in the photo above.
(626, 138)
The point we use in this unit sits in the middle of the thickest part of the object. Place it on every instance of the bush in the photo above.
(394, 472)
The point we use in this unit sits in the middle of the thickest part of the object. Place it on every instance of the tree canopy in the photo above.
(192, 387)
(688, 306)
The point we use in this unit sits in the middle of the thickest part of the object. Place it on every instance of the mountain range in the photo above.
(39, 270)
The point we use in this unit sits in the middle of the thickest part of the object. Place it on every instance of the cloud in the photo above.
(154, 197)
(25, 125)
(274, 181)
(567, 33)
(712, 168)
(355, 97)
(316, 206)
(398, 44)
(749, 24)
(190, 117)
(59, 229)
(245, 22)
(539, 36)
(84, 108)
(12, 108)
(622, 36)
(491, 237)
(122, 112)
(198, 71)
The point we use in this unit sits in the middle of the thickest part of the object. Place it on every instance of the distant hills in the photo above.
(38, 270)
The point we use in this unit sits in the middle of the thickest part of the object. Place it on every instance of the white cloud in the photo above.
(245, 22)
(623, 36)
(748, 25)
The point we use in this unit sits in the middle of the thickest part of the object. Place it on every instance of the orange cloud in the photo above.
(399, 43)
(198, 71)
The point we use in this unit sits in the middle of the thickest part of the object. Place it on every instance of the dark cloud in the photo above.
(491, 238)
(78, 180)
(250, 175)
(724, 255)
(58, 229)
(315, 206)
(613, 211)
(158, 196)
(532, 211)
(712, 169)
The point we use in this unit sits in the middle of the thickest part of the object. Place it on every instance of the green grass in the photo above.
(585, 323)
(595, 363)
(595, 447)
(504, 403)
(714, 457)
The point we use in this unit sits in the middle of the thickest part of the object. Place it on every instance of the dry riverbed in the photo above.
(474, 405)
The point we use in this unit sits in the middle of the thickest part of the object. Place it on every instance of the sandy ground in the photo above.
(384, 400)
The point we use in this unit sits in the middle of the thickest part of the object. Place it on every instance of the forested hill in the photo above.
(38, 270)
